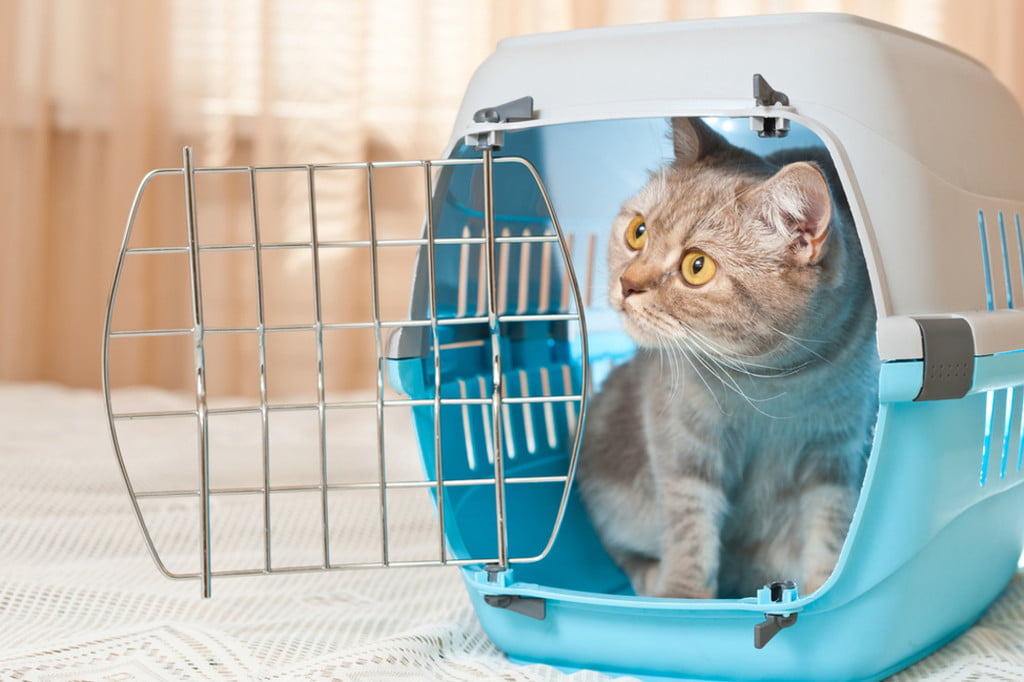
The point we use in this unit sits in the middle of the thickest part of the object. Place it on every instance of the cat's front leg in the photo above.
(692, 510)
(827, 509)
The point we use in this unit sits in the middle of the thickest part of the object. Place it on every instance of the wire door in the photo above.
(462, 362)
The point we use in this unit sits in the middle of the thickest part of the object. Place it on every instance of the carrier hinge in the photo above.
(767, 96)
(499, 576)
(778, 592)
(948, 358)
(517, 110)
(532, 607)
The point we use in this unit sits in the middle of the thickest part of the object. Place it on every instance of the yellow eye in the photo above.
(636, 233)
(698, 268)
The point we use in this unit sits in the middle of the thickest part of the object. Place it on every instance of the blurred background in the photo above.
(95, 93)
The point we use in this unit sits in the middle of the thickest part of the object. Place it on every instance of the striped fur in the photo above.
(729, 451)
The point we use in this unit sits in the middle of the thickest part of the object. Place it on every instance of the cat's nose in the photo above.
(630, 287)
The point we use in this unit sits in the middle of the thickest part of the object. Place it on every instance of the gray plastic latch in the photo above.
(407, 342)
(766, 96)
(532, 607)
(948, 358)
(773, 623)
(517, 110)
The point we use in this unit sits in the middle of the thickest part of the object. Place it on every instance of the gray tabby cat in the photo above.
(729, 451)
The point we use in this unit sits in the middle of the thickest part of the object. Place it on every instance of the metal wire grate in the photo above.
(506, 394)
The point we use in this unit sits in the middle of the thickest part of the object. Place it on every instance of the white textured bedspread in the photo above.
(80, 598)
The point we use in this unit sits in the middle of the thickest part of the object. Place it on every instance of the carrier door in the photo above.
(326, 423)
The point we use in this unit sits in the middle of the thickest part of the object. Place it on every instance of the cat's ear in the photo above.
(796, 202)
(692, 140)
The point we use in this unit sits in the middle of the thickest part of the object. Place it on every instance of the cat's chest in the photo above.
(730, 422)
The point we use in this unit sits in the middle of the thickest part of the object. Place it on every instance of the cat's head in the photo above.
(720, 253)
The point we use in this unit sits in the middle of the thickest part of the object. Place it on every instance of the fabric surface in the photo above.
(80, 598)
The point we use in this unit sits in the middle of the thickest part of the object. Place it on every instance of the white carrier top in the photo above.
(927, 142)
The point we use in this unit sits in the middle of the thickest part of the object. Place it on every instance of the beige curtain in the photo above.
(94, 93)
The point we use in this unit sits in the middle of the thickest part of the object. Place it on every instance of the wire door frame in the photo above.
(498, 401)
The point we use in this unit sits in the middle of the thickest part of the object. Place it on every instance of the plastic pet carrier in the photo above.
(508, 334)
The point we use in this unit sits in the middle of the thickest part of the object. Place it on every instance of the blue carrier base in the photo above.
(931, 545)
(930, 548)
(901, 620)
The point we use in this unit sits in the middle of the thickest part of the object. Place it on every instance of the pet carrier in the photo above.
(495, 359)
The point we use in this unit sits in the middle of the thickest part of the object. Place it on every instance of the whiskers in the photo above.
(729, 370)
(802, 344)
(674, 349)
(723, 370)
(726, 368)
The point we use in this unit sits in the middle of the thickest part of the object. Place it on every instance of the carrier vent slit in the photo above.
(1020, 248)
(1019, 414)
(985, 260)
(1013, 277)
(485, 420)
(467, 423)
(524, 275)
(481, 278)
(503, 251)
(531, 439)
(544, 300)
(1006, 261)
(564, 301)
(507, 432)
(570, 408)
(1007, 424)
(549, 412)
(986, 445)
(460, 306)
(588, 286)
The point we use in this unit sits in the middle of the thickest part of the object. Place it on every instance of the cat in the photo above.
(729, 451)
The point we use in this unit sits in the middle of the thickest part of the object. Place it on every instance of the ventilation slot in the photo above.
(988, 294)
(1003, 443)
(1004, 439)
(1000, 259)
(1006, 261)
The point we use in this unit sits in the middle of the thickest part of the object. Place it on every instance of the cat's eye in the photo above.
(698, 268)
(636, 233)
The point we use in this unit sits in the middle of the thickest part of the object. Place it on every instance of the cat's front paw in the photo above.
(643, 574)
(650, 579)
(828, 509)
(816, 578)
(684, 587)
(687, 593)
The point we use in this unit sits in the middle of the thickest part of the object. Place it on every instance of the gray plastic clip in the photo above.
(766, 96)
(773, 623)
(517, 110)
(494, 571)
(532, 607)
(778, 592)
